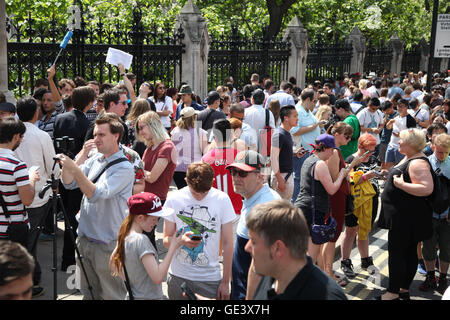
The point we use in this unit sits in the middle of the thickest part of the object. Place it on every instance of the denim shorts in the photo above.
(392, 155)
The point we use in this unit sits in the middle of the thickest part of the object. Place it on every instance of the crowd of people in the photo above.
(257, 172)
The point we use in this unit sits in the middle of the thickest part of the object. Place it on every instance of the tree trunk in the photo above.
(276, 13)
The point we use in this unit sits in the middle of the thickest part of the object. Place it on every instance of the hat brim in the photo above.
(164, 212)
(242, 166)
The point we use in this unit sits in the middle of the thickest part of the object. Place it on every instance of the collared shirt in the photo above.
(194, 105)
(255, 117)
(310, 283)
(283, 97)
(36, 149)
(102, 215)
(305, 119)
(445, 169)
(263, 195)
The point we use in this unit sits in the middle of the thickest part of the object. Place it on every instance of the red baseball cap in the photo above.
(147, 203)
(248, 160)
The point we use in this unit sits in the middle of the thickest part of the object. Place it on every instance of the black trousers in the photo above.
(402, 260)
(178, 178)
(72, 201)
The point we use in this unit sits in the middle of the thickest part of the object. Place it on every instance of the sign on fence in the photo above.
(442, 46)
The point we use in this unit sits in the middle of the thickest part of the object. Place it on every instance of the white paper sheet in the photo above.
(116, 56)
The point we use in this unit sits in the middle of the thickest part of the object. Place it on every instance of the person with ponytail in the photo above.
(137, 254)
(315, 170)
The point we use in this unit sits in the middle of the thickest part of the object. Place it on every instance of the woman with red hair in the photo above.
(357, 225)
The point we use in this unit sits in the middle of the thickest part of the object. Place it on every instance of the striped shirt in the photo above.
(13, 174)
(48, 125)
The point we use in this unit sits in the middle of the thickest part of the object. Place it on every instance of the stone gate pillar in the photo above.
(358, 42)
(297, 35)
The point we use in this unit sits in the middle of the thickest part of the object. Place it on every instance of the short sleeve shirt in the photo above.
(282, 139)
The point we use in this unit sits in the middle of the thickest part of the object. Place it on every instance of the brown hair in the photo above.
(200, 176)
(274, 106)
(340, 128)
(62, 83)
(235, 123)
(115, 126)
(280, 220)
(139, 107)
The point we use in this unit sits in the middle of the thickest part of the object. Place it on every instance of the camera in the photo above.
(65, 145)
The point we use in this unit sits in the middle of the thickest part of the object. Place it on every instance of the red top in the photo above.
(161, 186)
(218, 159)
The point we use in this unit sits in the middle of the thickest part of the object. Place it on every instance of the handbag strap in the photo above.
(127, 283)
(313, 182)
(107, 166)
(4, 207)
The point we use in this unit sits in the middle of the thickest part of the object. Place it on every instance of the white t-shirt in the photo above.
(399, 125)
(162, 106)
(206, 218)
(420, 114)
(368, 119)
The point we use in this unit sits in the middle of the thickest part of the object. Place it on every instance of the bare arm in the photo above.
(333, 165)
(307, 129)
(421, 179)
(253, 280)
(323, 175)
(51, 82)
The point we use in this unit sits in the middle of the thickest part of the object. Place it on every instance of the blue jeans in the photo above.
(392, 155)
(239, 270)
(298, 163)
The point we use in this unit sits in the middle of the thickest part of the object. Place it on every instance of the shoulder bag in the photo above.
(321, 233)
(16, 231)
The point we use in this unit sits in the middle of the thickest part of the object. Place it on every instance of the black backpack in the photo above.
(440, 198)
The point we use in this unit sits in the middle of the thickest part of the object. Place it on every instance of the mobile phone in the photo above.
(378, 173)
(365, 153)
(196, 237)
(33, 168)
(188, 291)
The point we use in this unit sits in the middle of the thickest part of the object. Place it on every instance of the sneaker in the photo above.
(367, 264)
(60, 216)
(46, 237)
(442, 285)
(429, 284)
(37, 291)
(347, 268)
(421, 268)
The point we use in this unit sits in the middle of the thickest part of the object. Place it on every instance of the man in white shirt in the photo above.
(421, 115)
(371, 121)
(36, 150)
(283, 95)
(255, 116)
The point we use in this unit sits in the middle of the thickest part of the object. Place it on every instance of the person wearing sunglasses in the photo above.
(248, 181)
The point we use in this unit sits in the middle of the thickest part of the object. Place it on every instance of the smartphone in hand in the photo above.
(188, 291)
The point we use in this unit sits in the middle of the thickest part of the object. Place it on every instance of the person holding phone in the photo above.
(135, 252)
(207, 214)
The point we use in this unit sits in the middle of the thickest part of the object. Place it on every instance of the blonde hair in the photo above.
(139, 107)
(187, 123)
(321, 111)
(362, 84)
(442, 140)
(151, 119)
(415, 138)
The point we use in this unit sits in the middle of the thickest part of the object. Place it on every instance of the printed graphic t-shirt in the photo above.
(206, 218)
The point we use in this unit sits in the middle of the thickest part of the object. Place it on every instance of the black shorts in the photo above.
(351, 220)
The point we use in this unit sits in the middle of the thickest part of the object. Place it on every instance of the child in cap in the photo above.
(135, 250)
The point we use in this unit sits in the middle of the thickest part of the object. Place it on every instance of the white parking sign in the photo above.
(442, 47)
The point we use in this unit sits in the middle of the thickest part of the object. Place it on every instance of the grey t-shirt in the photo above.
(143, 288)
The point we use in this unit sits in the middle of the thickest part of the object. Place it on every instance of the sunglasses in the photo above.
(242, 174)
(123, 102)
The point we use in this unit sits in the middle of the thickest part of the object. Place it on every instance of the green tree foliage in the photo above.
(377, 19)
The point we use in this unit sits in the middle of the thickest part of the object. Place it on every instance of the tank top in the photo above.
(304, 199)
(404, 212)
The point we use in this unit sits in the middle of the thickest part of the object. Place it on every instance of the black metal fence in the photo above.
(156, 53)
(240, 58)
(377, 59)
(411, 59)
(327, 61)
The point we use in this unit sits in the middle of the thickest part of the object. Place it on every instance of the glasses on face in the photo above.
(348, 137)
(241, 173)
(162, 88)
(123, 103)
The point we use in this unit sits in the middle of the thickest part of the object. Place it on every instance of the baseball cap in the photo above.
(326, 139)
(7, 107)
(148, 204)
(187, 112)
(248, 160)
